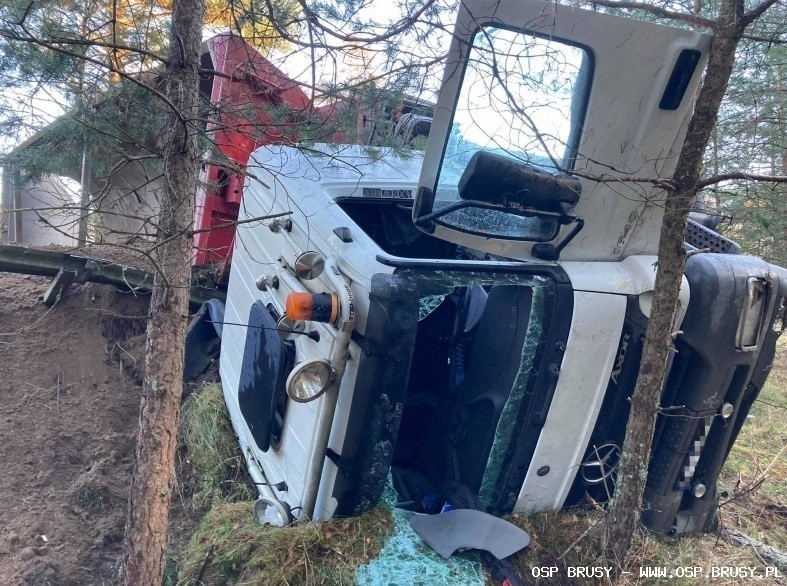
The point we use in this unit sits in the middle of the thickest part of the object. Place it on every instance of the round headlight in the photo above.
(308, 380)
(269, 512)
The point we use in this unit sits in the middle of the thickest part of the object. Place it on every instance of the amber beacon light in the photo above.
(322, 307)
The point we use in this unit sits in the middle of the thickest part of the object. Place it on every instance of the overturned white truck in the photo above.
(475, 313)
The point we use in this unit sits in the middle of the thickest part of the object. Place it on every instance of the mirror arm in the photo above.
(551, 252)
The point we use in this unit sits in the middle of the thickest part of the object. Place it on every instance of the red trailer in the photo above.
(250, 103)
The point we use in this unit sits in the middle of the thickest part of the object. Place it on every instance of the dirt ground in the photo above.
(68, 414)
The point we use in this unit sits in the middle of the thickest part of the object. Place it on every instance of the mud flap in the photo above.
(460, 529)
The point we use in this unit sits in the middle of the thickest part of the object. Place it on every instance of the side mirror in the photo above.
(504, 181)
(494, 188)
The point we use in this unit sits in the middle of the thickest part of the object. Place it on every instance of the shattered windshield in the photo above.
(434, 287)
(523, 97)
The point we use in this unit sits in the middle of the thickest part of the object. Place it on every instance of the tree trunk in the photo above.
(153, 476)
(624, 510)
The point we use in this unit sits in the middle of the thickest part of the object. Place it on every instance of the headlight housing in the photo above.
(270, 512)
(309, 380)
(750, 322)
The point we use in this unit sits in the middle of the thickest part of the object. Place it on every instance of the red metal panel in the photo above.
(254, 104)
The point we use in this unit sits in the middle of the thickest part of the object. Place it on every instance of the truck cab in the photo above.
(474, 313)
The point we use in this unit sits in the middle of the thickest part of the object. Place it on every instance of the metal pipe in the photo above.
(262, 484)
(48, 263)
(340, 353)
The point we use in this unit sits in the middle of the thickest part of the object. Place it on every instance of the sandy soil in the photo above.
(68, 414)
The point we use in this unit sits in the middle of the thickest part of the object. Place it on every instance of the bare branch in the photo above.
(113, 46)
(239, 222)
(692, 19)
(758, 11)
(741, 176)
(763, 39)
(401, 26)
(345, 40)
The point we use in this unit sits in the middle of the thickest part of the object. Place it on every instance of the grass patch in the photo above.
(566, 539)
(212, 447)
(94, 497)
(558, 539)
(228, 546)
(759, 455)
(755, 474)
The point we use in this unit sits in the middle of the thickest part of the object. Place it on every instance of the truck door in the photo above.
(542, 94)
